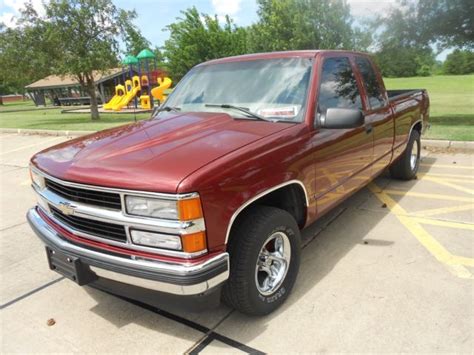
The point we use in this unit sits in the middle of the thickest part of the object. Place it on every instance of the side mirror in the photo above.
(341, 118)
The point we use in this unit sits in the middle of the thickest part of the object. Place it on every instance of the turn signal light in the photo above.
(190, 209)
(194, 242)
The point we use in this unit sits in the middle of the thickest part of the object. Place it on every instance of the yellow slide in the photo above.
(158, 92)
(132, 87)
(119, 93)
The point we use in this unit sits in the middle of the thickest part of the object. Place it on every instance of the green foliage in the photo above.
(405, 61)
(459, 62)
(22, 58)
(79, 37)
(401, 52)
(196, 37)
(448, 23)
(304, 24)
(133, 38)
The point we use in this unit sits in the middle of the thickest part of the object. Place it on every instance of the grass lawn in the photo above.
(451, 104)
(54, 119)
(17, 105)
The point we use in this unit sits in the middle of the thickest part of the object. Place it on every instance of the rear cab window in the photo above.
(375, 93)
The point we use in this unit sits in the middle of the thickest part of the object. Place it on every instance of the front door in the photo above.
(342, 156)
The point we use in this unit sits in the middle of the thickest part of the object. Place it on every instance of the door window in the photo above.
(371, 84)
(338, 86)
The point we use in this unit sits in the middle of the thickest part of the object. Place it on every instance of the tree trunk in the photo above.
(90, 85)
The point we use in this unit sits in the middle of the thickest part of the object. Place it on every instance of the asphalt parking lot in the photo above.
(390, 270)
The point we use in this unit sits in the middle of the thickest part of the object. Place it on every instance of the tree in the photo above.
(459, 62)
(21, 62)
(448, 23)
(400, 50)
(81, 37)
(405, 61)
(133, 38)
(303, 24)
(196, 37)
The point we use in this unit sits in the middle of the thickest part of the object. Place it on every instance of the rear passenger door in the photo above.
(343, 157)
(378, 114)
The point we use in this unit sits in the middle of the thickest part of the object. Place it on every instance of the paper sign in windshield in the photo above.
(283, 112)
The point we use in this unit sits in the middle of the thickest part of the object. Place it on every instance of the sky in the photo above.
(155, 15)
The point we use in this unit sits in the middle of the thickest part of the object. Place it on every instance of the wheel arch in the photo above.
(277, 196)
(417, 126)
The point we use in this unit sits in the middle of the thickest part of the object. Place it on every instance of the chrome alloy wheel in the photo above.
(415, 151)
(273, 263)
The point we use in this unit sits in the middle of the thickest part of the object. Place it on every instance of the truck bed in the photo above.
(395, 94)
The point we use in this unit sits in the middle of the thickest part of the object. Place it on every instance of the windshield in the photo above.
(271, 88)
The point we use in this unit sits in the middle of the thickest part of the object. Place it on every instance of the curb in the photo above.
(425, 143)
(45, 132)
(443, 144)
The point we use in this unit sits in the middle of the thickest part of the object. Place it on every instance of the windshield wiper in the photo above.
(241, 109)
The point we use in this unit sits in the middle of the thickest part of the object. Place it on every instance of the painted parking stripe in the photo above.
(443, 175)
(443, 178)
(442, 223)
(455, 264)
(429, 196)
(447, 166)
(443, 210)
(450, 184)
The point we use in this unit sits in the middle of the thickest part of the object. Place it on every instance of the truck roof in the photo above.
(283, 54)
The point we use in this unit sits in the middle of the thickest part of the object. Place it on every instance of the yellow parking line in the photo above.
(448, 184)
(449, 224)
(454, 166)
(464, 260)
(31, 145)
(449, 179)
(442, 210)
(430, 196)
(467, 177)
(431, 244)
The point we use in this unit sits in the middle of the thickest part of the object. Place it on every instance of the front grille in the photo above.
(97, 228)
(90, 197)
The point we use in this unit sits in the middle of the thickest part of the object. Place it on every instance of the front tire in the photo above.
(406, 167)
(264, 260)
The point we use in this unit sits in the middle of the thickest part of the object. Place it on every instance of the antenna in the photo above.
(135, 113)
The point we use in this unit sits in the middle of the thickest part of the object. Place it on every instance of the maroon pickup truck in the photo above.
(211, 193)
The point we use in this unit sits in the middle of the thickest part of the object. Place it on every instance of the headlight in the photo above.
(184, 210)
(157, 240)
(37, 179)
(151, 207)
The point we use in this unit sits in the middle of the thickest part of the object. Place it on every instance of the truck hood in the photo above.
(152, 155)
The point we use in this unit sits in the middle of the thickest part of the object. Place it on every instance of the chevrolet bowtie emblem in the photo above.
(66, 208)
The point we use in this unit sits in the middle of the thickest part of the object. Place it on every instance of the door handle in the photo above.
(368, 129)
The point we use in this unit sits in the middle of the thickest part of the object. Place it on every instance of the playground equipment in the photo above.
(138, 88)
(158, 92)
(119, 93)
(146, 55)
(132, 87)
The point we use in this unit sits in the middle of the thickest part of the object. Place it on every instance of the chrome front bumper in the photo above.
(184, 278)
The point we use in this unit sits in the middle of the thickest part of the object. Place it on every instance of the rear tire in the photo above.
(406, 167)
(264, 260)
